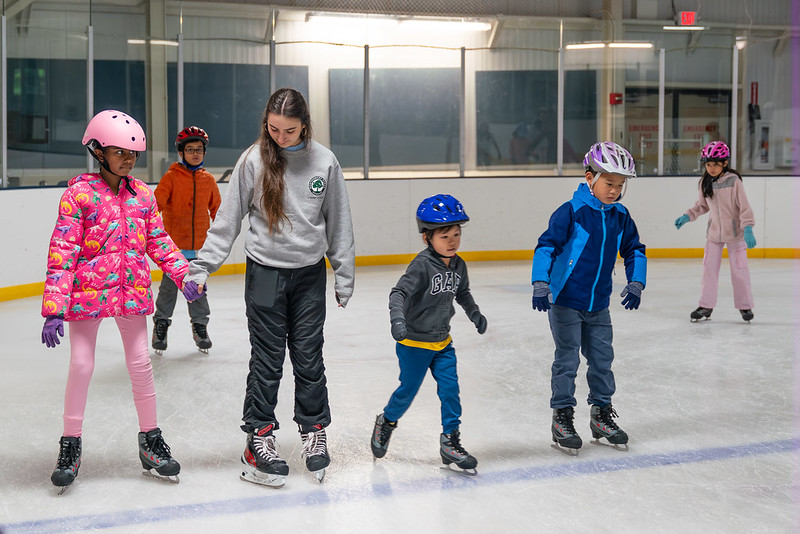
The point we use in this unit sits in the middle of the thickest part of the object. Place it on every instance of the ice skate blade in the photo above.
(453, 468)
(166, 478)
(700, 319)
(204, 351)
(566, 450)
(61, 489)
(320, 474)
(618, 446)
(158, 352)
(263, 479)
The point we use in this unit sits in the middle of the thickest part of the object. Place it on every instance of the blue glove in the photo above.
(632, 295)
(399, 330)
(192, 291)
(479, 321)
(749, 238)
(542, 296)
(52, 330)
(680, 221)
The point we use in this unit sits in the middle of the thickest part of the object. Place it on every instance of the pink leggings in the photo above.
(82, 340)
(740, 274)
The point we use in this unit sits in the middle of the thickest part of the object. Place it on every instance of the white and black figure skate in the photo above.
(701, 313)
(69, 461)
(155, 455)
(262, 464)
(159, 340)
(747, 315)
(452, 452)
(565, 438)
(381, 434)
(315, 452)
(603, 426)
(201, 339)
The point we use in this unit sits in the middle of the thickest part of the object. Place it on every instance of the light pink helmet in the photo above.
(114, 128)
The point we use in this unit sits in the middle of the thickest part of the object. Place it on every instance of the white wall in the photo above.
(506, 214)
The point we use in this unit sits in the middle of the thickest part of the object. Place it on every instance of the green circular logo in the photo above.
(316, 185)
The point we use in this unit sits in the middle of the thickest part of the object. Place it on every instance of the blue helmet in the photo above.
(439, 211)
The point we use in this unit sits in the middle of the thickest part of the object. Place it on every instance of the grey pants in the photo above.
(165, 304)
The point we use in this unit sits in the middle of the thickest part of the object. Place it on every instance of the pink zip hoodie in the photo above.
(728, 210)
(96, 265)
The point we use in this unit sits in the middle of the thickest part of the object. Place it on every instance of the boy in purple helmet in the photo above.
(420, 309)
(572, 280)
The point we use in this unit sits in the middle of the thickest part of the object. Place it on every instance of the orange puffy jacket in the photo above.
(188, 201)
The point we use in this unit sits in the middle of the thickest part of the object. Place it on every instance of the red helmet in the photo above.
(190, 133)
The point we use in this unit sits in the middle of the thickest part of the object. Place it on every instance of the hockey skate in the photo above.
(381, 434)
(315, 451)
(200, 335)
(69, 461)
(160, 327)
(701, 313)
(565, 439)
(155, 455)
(747, 315)
(452, 452)
(262, 464)
(603, 426)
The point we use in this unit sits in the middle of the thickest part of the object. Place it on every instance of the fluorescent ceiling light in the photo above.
(685, 28)
(152, 42)
(630, 45)
(444, 24)
(401, 22)
(584, 46)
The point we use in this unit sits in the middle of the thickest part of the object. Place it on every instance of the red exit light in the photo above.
(688, 18)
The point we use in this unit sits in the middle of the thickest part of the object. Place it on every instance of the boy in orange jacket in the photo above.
(188, 198)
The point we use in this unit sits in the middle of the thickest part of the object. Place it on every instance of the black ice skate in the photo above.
(452, 452)
(381, 434)
(160, 327)
(69, 461)
(747, 315)
(200, 336)
(603, 426)
(565, 438)
(701, 313)
(315, 452)
(262, 464)
(154, 453)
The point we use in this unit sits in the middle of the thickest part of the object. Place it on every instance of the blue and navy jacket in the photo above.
(577, 252)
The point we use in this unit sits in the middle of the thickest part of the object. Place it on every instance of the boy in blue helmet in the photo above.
(420, 309)
(572, 278)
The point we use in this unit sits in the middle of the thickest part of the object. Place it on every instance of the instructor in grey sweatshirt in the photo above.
(293, 191)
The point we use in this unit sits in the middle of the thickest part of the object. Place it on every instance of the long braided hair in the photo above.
(288, 103)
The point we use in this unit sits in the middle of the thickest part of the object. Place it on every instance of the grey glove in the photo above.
(479, 321)
(399, 330)
(542, 296)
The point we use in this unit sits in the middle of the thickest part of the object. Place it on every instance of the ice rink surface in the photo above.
(711, 409)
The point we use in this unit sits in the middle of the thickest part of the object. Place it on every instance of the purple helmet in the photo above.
(609, 157)
(715, 151)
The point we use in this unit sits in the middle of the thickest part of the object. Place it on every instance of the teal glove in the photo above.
(680, 221)
(749, 238)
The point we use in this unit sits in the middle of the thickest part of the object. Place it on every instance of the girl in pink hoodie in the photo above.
(96, 268)
(730, 222)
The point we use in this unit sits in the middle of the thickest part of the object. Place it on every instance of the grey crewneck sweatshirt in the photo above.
(316, 203)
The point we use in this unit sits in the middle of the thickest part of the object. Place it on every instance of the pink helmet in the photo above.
(715, 151)
(115, 128)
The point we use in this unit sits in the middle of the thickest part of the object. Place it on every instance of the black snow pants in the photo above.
(285, 307)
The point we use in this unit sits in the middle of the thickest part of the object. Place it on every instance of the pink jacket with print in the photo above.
(728, 210)
(96, 265)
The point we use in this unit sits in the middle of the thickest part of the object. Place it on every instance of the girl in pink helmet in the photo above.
(96, 268)
(730, 222)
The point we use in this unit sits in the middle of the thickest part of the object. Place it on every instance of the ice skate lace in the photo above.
(159, 447)
(200, 330)
(606, 414)
(68, 454)
(161, 329)
(565, 421)
(385, 432)
(454, 444)
(266, 447)
(314, 444)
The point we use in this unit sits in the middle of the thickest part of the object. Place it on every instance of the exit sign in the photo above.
(687, 18)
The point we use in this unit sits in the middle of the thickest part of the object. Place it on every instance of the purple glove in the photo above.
(192, 292)
(52, 330)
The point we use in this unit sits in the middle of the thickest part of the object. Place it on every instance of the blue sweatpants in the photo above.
(414, 364)
(577, 332)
